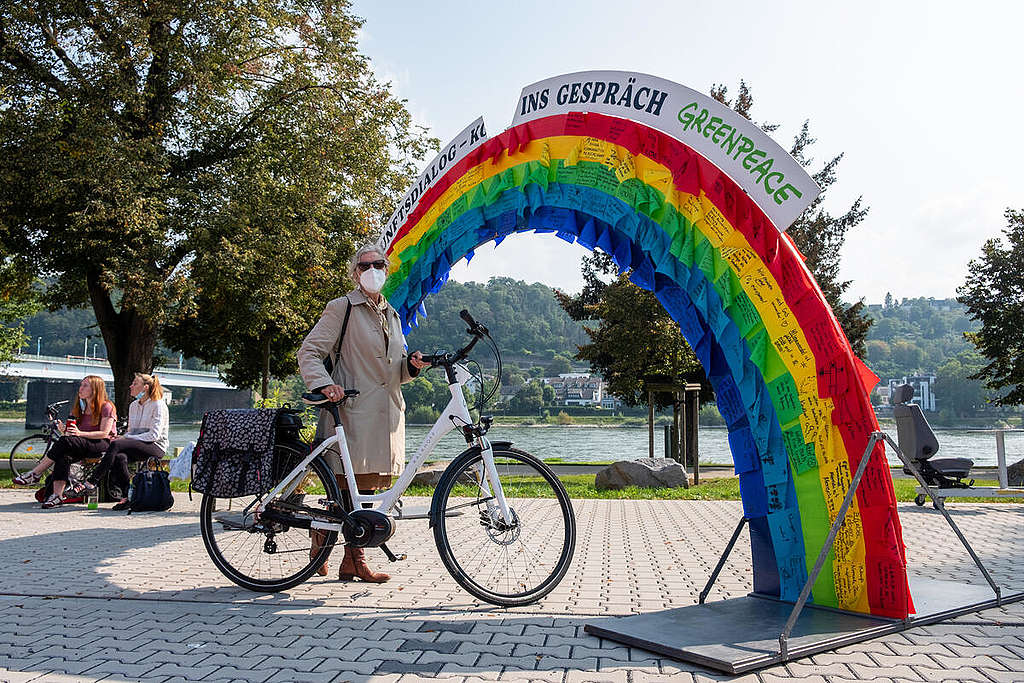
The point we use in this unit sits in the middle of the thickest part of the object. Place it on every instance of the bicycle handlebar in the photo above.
(445, 359)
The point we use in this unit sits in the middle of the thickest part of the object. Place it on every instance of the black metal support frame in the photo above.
(805, 593)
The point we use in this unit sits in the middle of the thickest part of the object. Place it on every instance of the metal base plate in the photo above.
(742, 634)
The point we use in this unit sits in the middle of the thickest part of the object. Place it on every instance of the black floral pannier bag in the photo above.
(235, 453)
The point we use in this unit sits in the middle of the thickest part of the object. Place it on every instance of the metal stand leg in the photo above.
(832, 532)
(721, 562)
(941, 507)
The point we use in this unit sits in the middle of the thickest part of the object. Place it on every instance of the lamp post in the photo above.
(39, 342)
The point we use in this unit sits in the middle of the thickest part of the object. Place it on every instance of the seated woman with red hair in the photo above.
(89, 436)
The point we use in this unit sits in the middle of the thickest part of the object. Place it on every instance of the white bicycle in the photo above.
(502, 521)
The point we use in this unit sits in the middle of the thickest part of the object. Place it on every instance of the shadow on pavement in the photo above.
(324, 644)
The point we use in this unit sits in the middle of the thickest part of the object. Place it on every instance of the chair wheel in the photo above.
(920, 499)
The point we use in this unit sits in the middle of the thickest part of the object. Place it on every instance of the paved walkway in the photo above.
(102, 595)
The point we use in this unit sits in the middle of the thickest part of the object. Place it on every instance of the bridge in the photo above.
(72, 367)
(53, 378)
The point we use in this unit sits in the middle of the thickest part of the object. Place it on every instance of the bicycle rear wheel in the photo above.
(271, 556)
(27, 453)
(504, 564)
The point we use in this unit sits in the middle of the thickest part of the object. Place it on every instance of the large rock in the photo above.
(429, 474)
(646, 472)
(1015, 474)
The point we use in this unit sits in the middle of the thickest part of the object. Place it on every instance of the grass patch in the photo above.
(581, 486)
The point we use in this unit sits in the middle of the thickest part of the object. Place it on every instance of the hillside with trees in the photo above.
(916, 335)
(525, 319)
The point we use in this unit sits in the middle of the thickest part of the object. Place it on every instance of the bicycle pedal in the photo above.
(391, 556)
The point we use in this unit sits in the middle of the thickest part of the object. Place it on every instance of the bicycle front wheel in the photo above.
(501, 562)
(27, 453)
(271, 555)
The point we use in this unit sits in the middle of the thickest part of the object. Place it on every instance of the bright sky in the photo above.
(924, 98)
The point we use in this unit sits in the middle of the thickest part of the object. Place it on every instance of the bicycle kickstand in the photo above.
(391, 556)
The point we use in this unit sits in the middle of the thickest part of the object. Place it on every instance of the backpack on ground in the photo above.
(151, 489)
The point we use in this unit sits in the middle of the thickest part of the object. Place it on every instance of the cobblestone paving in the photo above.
(100, 595)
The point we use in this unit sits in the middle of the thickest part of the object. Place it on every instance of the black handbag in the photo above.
(151, 489)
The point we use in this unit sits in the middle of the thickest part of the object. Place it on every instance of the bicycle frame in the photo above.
(455, 412)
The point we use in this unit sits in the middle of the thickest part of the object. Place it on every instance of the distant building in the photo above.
(924, 390)
(610, 402)
(577, 389)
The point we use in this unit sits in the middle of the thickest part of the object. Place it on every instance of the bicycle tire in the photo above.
(484, 562)
(34, 448)
(249, 565)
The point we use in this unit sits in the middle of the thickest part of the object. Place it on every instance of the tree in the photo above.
(817, 233)
(559, 366)
(17, 300)
(138, 142)
(528, 400)
(994, 296)
(419, 392)
(634, 336)
(955, 389)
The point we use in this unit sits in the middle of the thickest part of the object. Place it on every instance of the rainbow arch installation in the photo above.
(662, 188)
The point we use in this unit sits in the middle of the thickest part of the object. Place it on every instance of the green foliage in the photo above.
(916, 336)
(558, 366)
(959, 394)
(817, 233)
(153, 152)
(17, 300)
(634, 336)
(523, 318)
(529, 399)
(421, 415)
(11, 391)
(994, 295)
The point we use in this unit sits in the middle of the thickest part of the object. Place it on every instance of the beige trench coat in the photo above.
(375, 420)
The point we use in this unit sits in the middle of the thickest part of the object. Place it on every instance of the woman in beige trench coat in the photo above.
(372, 359)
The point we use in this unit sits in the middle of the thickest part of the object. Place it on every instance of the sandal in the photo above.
(54, 501)
(27, 479)
(80, 489)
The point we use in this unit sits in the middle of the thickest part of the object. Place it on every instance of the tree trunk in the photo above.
(266, 365)
(130, 341)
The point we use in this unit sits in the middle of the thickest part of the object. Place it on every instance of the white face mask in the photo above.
(372, 280)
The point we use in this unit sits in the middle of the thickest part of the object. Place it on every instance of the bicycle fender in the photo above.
(435, 504)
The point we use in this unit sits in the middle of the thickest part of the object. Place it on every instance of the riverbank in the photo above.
(16, 413)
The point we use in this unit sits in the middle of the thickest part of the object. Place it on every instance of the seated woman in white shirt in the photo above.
(146, 438)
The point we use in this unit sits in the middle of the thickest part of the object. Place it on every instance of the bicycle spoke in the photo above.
(507, 562)
(266, 553)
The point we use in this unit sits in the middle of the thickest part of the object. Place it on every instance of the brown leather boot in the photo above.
(317, 537)
(354, 565)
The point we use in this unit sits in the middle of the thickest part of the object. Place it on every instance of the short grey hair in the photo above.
(360, 252)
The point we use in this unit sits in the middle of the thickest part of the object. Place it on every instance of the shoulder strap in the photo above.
(331, 362)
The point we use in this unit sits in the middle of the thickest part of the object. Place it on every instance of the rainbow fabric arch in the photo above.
(793, 394)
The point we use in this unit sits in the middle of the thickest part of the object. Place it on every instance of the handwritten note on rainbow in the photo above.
(648, 184)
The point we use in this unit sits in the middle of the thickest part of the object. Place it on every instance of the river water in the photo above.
(595, 444)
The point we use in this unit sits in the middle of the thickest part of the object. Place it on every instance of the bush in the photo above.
(709, 416)
(564, 418)
(421, 415)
